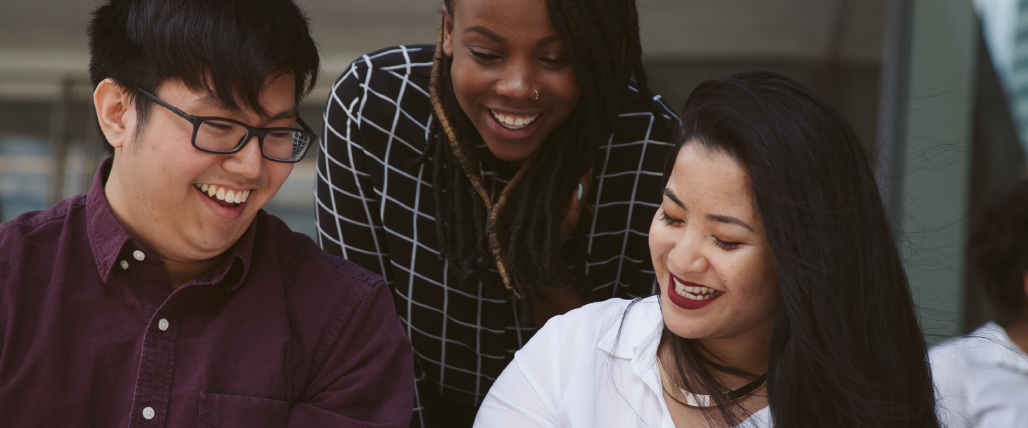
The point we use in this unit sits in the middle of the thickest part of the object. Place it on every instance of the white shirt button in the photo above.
(162, 324)
(148, 413)
(123, 264)
(138, 255)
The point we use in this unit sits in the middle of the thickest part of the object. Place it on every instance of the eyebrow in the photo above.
(492, 35)
(716, 217)
(213, 101)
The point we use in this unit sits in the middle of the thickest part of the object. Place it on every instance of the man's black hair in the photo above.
(230, 48)
(998, 249)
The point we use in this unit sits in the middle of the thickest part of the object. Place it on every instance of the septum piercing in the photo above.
(536, 94)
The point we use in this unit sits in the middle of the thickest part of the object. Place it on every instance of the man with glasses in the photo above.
(165, 297)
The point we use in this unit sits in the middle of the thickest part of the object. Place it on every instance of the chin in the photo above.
(687, 329)
(512, 151)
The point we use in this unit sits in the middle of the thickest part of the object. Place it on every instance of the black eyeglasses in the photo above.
(225, 136)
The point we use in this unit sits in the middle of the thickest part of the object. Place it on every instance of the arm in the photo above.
(527, 392)
(347, 207)
(363, 375)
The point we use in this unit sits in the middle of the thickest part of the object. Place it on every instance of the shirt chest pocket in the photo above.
(230, 411)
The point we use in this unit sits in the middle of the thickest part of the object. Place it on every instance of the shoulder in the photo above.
(978, 346)
(31, 242)
(414, 61)
(598, 316)
(599, 326)
(312, 277)
(659, 121)
(40, 221)
(39, 229)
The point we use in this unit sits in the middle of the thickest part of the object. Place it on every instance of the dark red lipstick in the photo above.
(682, 301)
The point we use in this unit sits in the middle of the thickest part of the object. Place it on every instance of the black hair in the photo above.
(998, 250)
(230, 48)
(845, 349)
(520, 231)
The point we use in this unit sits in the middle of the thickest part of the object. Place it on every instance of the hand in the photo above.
(574, 209)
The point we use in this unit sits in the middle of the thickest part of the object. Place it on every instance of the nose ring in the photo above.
(536, 94)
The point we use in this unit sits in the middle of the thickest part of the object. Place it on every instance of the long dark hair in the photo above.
(846, 349)
(519, 233)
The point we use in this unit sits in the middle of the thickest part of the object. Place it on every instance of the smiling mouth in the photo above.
(694, 291)
(222, 196)
(514, 122)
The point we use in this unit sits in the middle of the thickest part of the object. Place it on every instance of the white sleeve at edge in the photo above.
(527, 392)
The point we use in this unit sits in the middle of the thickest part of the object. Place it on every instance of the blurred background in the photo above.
(938, 90)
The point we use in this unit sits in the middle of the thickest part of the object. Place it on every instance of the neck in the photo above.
(179, 273)
(180, 269)
(747, 352)
(1017, 330)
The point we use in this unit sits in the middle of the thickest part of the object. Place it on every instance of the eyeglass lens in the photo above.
(224, 136)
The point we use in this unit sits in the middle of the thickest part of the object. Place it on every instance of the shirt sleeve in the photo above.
(363, 376)
(527, 392)
(347, 205)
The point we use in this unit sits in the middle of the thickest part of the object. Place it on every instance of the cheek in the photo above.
(277, 174)
(566, 89)
(468, 80)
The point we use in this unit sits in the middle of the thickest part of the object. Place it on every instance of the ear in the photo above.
(115, 112)
(447, 32)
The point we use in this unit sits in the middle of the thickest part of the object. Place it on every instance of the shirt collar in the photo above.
(637, 335)
(108, 239)
(1006, 354)
(106, 236)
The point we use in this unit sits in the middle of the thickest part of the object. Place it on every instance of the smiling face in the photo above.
(157, 181)
(712, 259)
(505, 55)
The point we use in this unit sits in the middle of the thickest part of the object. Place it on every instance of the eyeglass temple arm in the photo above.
(154, 98)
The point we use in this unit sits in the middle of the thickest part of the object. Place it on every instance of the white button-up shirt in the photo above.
(578, 372)
(981, 380)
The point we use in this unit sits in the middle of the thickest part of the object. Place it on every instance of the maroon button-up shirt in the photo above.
(280, 334)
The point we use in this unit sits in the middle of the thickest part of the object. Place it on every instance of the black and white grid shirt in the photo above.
(376, 210)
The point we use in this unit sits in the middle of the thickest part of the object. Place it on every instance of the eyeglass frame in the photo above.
(251, 131)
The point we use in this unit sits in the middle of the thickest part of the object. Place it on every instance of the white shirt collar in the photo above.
(638, 335)
(1007, 355)
(638, 340)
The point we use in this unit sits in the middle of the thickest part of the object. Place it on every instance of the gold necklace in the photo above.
(699, 400)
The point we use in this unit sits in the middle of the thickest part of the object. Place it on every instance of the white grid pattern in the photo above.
(375, 210)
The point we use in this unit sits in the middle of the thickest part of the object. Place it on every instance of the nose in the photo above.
(516, 81)
(687, 256)
(247, 162)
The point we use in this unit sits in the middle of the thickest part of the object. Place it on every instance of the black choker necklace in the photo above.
(699, 400)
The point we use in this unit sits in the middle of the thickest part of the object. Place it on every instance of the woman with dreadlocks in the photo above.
(503, 176)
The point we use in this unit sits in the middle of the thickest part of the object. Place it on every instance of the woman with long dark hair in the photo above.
(502, 176)
(783, 300)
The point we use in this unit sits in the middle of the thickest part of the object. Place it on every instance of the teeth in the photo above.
(224, 194)
(512, 122)
(695, 293)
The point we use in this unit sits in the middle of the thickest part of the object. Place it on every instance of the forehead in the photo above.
(708, 180)
(277, 98)
(523, 17)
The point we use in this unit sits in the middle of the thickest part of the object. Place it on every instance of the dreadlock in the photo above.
(519, 232)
